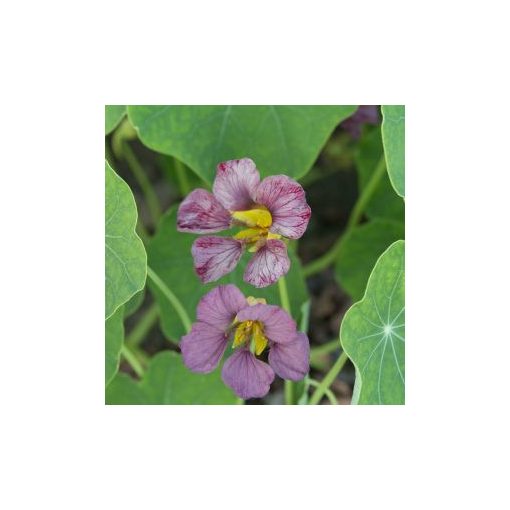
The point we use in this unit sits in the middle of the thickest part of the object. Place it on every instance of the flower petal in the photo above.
(278, 325)
(214, 257)
(268, 264)
(285, 199)
(246, 375)
(292, 360)
(220, 306)
(235, 184)
(201, 213)
(203, 347)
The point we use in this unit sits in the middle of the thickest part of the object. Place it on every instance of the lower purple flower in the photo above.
(246, 375)
(224, 315)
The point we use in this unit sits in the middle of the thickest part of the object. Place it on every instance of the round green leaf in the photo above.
(113, 116)
(393, 135)
(384, 203)
(373, 331)
(169, 253)
(114, 338)
(280, 139)
(360, 250)
(168, 381)
(126, 260)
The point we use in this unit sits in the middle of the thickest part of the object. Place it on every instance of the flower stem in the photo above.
(182, 177)
(140, 175)
(181, 312)
(284, 300)
(133, 361)
(319, 358)
(305, 317)
(288, 388)
(366, 194)
(284, 295)
(327, 392)
(143, 326)
(328, 379)
(326, 348)
(357, 212)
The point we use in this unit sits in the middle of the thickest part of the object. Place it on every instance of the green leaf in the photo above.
(114, 338)
(360, 250)
(356, 390)
(168, 381)
(393, 135)
(134, 303)
(373, 331)
(126, 260)
(280, 139)
(384, 203)
(113, 116)
(125, 390)
(169, 254)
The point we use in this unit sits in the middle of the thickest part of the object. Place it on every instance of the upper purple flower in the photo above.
(225, 315)
(269, 210)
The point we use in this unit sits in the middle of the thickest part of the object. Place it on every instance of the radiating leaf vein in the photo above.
(380, 370)
(396, 360)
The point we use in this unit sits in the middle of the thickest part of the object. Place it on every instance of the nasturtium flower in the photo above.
(225, 316)
(269, 211)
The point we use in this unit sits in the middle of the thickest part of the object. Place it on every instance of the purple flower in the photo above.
(268, 211)
(368, 114)
(225, 315)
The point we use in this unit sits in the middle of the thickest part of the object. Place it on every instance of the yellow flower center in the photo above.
(252, 332)
(259, 221)
(259, 217)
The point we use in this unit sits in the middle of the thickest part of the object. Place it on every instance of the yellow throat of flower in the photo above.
(259, 217)
(259, 221)
(252, 332)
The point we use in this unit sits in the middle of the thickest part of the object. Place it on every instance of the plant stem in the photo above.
(284, 295)
(326, 348)
(284, 300)
(182, 177)
(327, 392)
(147, 189)
(305, 317)
(318, 355)
(141, 356)
(366, 194)
(132, 360)
(328, 379)
(357, 212)
(288, 389)
(181, 312)
(143, 326)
